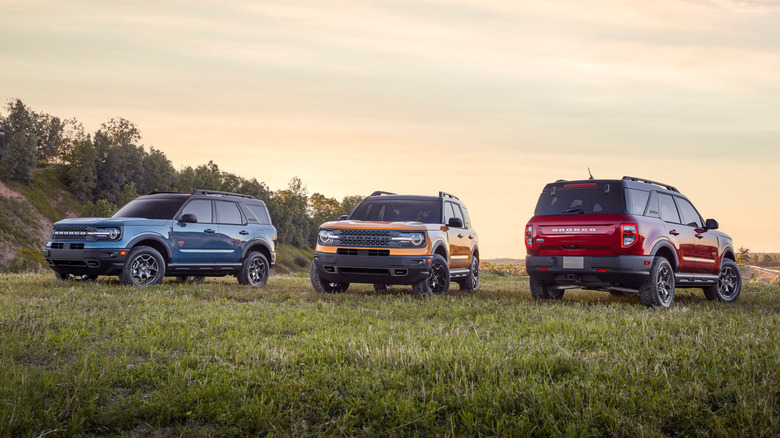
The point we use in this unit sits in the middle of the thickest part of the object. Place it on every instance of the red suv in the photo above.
(627, 236)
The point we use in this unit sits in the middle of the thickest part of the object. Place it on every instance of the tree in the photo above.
(81, 161)
(18, 144)
(208, 177)
(120, 160)
(349, 203)
(101, 208)
(128, 194)
(743, 258)
(288, 210)
(257, 189)
(767, 260)
(185, 180)
(157, 173)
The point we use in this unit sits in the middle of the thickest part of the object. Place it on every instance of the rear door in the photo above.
(234, 232)
(681, 235)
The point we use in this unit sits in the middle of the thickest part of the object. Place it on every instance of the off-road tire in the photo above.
(323, 286)
(542, 291)
(190, 278)
(254, 271)
(379, 287)
(144, 266)
(471, 282)
(658, 290)
(729, 284)
(438, 281)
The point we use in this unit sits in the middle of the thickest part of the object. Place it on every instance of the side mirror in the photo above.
(711, 224)
(455, 222)
(343, 217)
(189, 218)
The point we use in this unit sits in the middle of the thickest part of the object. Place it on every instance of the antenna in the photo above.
(591, 175)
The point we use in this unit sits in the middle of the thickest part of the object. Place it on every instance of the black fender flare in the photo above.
(439, 243)
(155, 237)
(253, 244)
(667, 244)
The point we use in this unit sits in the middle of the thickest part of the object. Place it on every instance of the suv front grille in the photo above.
(365, 237)
(70, 233)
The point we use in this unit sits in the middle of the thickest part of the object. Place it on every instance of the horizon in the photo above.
(488, 101)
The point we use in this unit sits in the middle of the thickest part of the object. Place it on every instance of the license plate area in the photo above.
(573, 262)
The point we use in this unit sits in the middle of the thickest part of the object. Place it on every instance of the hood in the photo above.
(108, 222)
(370, 225)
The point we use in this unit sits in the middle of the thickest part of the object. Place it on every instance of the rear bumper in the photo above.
(337, 268)
(619, 271)
(87, 261)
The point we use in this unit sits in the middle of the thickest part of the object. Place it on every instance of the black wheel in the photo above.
(379, 287)
(658, 290)
(144, 267)
(729, 284)
(471, 283)
(324, 286)
(190, 278)
(543, 291)
(254, 272)
(438, 281)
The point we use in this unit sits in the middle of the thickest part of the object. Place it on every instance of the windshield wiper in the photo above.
(575, 210)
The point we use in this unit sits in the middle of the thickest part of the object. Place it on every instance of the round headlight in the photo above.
(113, 233)
(327, 237)
(417, 239)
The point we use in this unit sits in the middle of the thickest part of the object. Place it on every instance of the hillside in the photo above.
(28, 210)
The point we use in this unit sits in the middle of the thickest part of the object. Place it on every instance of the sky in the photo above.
(488, 100)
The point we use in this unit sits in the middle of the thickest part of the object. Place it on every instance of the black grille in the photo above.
(368, 252)
(76, 246)
(364, 237)
(57, 245)
(70, 233)
(347, 251)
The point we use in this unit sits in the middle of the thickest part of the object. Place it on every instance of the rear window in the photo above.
(590, 198)
(259, 212)
(159, 208)
(428, 212)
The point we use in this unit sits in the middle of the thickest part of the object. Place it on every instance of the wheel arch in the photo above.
(153, 242)
(665, 249)
(259, 246)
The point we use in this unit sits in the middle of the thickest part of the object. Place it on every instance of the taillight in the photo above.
(629, 234)
(529, 235)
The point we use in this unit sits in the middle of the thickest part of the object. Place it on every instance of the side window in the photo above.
(260, 212)
(667, 209)
(636, 200)
(466, 218)
(228, 213)
(448, 213)
(201, 208)
(689, 214)
(652, 206)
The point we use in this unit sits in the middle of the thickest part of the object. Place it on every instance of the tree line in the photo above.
(110, 167)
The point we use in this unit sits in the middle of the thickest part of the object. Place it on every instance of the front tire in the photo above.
(438, 281)
(658, 290)
(471, 282)
(254, 271)
(729, 284)
(324, 286)
(543, 291)
(144, 267)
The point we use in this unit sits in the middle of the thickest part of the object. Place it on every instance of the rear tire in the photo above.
(471, 283)
(658, 290)
(543, 291)
(438, 281)
(324, 286)
(144, 267)
(254, 271)
(729, 284)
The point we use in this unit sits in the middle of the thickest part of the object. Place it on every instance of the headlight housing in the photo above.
(410, 239)
(327, 237)
(108, 233)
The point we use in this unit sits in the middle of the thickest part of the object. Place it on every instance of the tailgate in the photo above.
(595, 235)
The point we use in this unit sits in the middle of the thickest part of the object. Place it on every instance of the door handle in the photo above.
(699, 236)
(674, 233)
(471, 237)
(244, 232)
(460, 236)
(209, 230)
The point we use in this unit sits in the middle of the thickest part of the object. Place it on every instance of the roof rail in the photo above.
(379, 192)
(448, 195)
(217, 193)
(666, 186)
(163, 193)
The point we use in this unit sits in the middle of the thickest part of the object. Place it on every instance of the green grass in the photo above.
(219, 359)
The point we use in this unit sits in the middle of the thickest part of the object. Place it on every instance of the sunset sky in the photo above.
(488, 100)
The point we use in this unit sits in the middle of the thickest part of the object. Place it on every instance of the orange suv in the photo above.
(422, 241)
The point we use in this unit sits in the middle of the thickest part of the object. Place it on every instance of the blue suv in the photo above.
(187, 236)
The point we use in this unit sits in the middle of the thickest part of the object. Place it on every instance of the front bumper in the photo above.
(618, 271)
(362, 268)
(87, 261)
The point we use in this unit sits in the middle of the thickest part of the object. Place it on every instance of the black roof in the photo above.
(626, 181)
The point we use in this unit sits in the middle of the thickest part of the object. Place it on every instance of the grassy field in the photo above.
(219, 359)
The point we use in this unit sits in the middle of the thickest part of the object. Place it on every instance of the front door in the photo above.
(458, 237)
(196, 243)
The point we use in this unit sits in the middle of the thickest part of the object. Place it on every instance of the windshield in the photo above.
(583, 199)
(159, 208)
(428, 212)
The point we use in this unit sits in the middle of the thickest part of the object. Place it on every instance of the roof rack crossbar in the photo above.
(163, 193)
(218, 193)
(448, 195)
(666, 186)
(379, 192)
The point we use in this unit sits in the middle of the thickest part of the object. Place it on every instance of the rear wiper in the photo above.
(575, 210)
